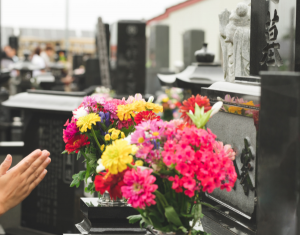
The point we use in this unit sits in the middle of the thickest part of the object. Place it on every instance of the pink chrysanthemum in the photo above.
(70, 132)
(139, 188)
(89, 102)
(112, 106)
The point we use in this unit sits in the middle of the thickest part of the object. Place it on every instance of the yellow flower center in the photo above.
(137, 187)
(155, 133)
(141, 140)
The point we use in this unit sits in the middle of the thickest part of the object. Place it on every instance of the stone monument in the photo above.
(235, 41)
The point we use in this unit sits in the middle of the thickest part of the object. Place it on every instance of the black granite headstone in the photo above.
(53, 206)
(128, 57)
(259, 10)
(279, 155)
(192, 41)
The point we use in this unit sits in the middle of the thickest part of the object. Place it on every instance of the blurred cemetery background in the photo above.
(75, 47)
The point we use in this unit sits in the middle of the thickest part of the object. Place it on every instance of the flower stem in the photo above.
(83, 153)
(95, 137)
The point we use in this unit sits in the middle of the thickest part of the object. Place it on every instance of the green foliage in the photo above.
(64, 152)
(134, 218)
(77, 178)
(200, 118)
(90, 188)
(78, 155)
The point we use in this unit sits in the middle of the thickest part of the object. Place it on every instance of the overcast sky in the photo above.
(82, 13)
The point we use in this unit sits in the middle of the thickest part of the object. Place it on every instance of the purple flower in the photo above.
(105, 117)
(89, 102)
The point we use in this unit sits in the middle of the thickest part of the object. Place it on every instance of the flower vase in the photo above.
(107, 200)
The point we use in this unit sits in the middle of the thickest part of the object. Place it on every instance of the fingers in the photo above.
(26, 162)
(36, 164)
(35, 175)
(37, 181)
(5, 165)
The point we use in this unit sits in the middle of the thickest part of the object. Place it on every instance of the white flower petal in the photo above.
(216, 108)
(81, 112)
(100, 168)
(151, 98)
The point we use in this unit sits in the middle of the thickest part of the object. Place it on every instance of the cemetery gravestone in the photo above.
(158, 56)
(192, 41)
(128, 57)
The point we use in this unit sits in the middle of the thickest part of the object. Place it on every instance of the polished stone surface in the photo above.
(99, 217)
(279, 155)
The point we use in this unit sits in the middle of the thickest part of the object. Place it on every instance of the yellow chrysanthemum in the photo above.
(114, 136)
(111, 130)
(87, 121)
(107, 137)
(102, 147)
(124, 112)
(116, 132)
(116, 156)
(139, 163)
(154, 107)
(122, 135)
(138, 106)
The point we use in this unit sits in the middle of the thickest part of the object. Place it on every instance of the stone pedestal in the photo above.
(106, 218)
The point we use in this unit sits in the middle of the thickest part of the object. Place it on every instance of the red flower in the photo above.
(111, 183)
(77, 143)
(145, 116)
(256, 119)
(189, 104)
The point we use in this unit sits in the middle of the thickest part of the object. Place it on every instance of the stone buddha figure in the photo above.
(235, 41)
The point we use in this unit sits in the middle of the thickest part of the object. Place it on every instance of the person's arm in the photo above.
(17, 183)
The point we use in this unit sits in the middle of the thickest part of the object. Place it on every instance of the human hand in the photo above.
(17, 183)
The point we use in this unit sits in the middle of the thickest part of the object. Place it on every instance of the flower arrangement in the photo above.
(171, 101)
(164, 168)
(97, 131)
(235, 109)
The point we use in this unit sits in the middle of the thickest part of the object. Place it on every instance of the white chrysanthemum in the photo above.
(81, 112)
(100, 167)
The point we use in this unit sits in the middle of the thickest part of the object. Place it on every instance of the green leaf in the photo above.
(172, 216)
(77, 178)
(162, 198)
(134, 218)
(78, 155)
(90, 188)
(226, 107)
(183, 229)
(190, 216)
(64, 152)
(208, 205)
(166, 172)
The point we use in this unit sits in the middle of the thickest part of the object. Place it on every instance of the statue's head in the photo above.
(240, 17)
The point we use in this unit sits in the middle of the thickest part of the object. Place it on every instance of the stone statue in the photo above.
(235, 41)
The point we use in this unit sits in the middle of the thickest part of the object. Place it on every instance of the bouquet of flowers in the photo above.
(99, 123)
(164, 168)
(171, 101)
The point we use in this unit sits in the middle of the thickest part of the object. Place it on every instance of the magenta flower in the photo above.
(89, 102)
(139, 188)
(70, 132)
